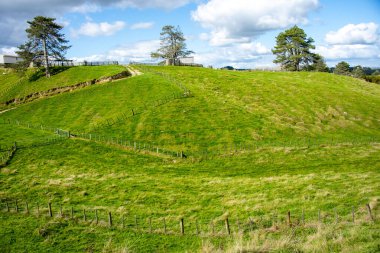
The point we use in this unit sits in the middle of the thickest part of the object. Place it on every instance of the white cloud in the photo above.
(139, 51)
(142, 25)
(242, 55)
(15, 13)
(364, 33)
(357, 51)
(98, 29)
(244, 19)
(8, 50)
(352, 41)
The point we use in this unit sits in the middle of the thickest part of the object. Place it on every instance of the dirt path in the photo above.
(133, 71)
(8, 110)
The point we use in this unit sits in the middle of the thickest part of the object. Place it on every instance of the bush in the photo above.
(372, 79)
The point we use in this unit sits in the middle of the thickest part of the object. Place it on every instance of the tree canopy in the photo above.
(45, 42)
(172, 44)
(342, 68)
(292, 49)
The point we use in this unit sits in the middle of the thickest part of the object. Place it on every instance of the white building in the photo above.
(9, 59)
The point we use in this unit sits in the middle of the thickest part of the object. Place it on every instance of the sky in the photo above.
(238, 33)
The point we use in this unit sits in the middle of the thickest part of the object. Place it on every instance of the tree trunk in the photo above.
(47, 72)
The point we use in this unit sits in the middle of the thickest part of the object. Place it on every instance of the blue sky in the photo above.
(240, 33)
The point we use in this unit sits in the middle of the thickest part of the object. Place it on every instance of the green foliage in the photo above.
(342, 68)
(173, 44)
(45, 42)
(319, 64)
(358, 72)
(292, 49)
(373, 78)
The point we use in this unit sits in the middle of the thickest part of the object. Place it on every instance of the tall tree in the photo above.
(45, 42)
(292, 49)
(172, 44)
(342, 68)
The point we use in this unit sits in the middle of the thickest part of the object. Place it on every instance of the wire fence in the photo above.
(180, 225)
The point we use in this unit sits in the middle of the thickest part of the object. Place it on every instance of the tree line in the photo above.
(292, 50)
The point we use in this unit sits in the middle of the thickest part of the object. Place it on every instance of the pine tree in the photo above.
(292, 49)
(173, 45)
(342, 68)
(45, 42)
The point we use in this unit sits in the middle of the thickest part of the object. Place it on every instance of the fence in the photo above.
(180, 225)
(84, 63)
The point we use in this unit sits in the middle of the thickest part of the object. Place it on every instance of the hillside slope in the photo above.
(13, 85)
(258, 144)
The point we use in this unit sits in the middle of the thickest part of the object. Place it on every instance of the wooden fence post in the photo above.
(182, 227)
(84, 214)
(50, 211)
(110, 219)
(289, 221)
(370, 212)
(227, 226)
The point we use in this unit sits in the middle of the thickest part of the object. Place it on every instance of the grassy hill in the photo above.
(12, 85)
(258, 144)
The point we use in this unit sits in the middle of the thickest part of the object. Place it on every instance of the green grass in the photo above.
(12, 86)
(316, 148)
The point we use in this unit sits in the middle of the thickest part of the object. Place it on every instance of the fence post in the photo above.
(289, 221)
(84, 214)
(182, 227)
(227, 226)
(110, 219)
(370, 212)
(50, 211)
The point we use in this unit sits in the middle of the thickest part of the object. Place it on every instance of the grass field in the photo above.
(314, 148)
(15, 86)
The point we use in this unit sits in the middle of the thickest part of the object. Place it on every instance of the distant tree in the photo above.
(292, 49)
(358, 72)
(44, 41)
(342, 68)
(173, 45)
(319, 64)
(376, 73)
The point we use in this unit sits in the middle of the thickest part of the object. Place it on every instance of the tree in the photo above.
(342, 68)
(319, 64)
(45, 42)
(172, 44)
(358, 72)
(292, 49)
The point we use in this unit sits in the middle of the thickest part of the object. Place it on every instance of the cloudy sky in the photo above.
(240, 33)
